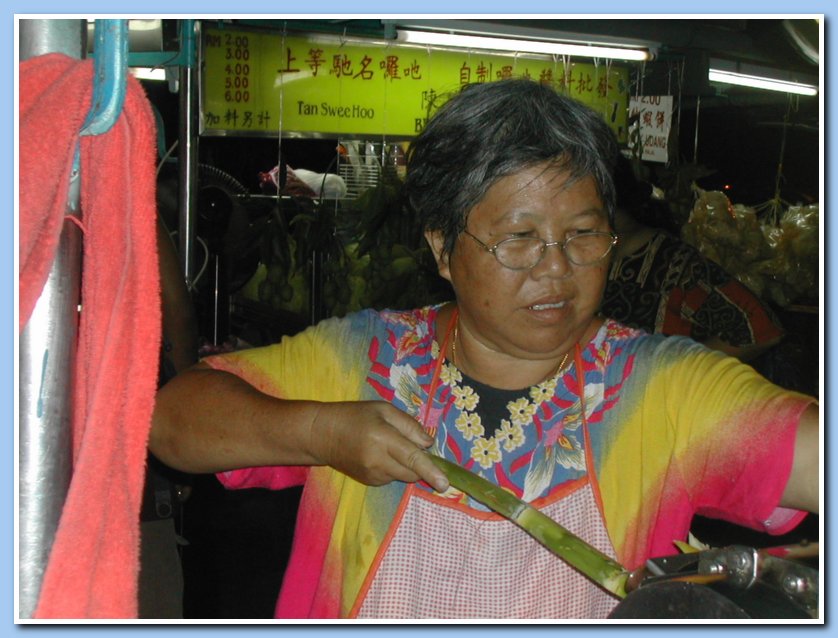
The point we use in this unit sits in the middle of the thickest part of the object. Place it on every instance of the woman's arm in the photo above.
(802, 490)
(180, 332)
(207, 420)
(743, 353)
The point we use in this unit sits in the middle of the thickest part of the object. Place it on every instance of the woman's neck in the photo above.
(497, 369)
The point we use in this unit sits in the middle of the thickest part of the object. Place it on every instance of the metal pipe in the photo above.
(697, 116)
(47, 354)
(38, 37)
(215, 301)
(188, 153)
(46, 360)
(142, 35)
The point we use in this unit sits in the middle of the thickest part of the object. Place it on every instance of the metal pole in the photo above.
(188, 153)
(46, 358)
(697, 117)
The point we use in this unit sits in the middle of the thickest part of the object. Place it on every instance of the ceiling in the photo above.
(756, 40)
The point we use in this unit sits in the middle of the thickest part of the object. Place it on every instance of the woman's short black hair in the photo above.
(488, 131)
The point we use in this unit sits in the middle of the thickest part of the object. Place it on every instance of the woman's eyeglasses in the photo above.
(524, 253)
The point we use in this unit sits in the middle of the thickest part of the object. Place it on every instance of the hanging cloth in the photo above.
(94, 561)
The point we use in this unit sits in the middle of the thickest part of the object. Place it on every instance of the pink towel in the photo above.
(94, 562)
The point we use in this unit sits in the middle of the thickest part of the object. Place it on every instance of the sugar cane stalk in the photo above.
(577, 553)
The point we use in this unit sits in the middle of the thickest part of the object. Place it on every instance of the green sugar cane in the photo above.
(589, 561)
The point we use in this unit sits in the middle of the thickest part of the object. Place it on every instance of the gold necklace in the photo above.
(454, 352)
(561, 364)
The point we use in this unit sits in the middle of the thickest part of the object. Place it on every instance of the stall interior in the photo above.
(293, 229)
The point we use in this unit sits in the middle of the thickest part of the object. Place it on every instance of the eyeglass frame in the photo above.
(545, 245)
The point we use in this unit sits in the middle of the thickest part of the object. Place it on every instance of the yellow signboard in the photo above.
(272, 84)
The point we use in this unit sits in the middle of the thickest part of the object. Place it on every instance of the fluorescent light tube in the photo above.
(146, 73)
(521, 46)
(759, 82)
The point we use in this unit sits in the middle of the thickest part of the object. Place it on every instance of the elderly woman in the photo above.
(618, 435)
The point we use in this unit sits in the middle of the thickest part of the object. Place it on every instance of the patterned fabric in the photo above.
(455, 562)
(510, 437)
(666, 286)
(666, 426)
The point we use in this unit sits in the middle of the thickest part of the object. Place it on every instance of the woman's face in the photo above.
(531, 314)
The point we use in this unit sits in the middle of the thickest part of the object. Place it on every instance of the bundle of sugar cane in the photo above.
(592, 563)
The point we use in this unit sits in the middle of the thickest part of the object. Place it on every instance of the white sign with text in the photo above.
(653, 115)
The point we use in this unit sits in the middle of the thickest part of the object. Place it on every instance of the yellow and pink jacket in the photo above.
(663, 429)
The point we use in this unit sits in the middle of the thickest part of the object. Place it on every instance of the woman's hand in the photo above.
(374, 443)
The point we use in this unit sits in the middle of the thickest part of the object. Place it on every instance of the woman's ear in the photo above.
(436, 240)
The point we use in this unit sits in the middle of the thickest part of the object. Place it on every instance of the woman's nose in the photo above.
(554, 261)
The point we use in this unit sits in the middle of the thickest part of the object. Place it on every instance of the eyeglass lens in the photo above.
(526, 252)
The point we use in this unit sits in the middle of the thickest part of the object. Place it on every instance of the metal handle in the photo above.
(110, 59)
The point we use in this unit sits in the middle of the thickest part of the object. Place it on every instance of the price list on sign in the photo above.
(237, 70)
(262, 83)
(236, 81)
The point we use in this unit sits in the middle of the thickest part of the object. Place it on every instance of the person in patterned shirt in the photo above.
(618, 435)
(661, 284)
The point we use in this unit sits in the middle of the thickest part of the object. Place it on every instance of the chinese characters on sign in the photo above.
(651, 117)
(262, 83)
